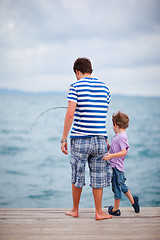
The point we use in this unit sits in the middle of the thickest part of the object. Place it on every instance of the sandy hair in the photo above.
(120, 119)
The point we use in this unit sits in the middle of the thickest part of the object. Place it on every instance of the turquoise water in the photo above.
(34, 172)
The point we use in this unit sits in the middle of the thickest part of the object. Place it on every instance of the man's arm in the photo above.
(108, 156)
(67, 124)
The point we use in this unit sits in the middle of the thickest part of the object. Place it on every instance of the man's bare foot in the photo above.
(72, 213)
(102, 215)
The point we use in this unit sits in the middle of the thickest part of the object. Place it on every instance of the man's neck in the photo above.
(85, 75)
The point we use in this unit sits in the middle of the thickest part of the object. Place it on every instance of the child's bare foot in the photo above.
(102, 215)
(72, 213)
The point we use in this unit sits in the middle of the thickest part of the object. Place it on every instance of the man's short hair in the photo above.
(83, 65)
(120, 119)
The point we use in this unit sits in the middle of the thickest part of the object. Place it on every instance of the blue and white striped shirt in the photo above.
(92, 97)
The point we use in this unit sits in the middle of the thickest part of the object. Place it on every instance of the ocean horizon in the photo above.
(4, 91)
(34, 173)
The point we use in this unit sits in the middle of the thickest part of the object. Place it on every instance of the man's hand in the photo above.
(107, 156)
(67, 125)
(64, 148)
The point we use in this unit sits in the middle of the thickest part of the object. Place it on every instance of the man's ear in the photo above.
(78, 74)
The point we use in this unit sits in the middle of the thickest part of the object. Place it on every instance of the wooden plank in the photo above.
(49, 224)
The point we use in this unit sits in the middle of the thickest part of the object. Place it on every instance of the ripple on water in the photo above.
(44, 194)
(11, 150)
(16, 173)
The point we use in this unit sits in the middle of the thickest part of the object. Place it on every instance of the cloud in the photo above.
(134, 81)
(41, 39)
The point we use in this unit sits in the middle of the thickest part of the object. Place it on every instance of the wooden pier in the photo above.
(50, 224)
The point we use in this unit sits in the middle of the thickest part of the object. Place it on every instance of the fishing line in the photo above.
(53, 108)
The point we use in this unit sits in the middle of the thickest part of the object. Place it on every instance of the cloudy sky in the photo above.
(40, 39)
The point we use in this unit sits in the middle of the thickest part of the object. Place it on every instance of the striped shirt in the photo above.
(92, 97)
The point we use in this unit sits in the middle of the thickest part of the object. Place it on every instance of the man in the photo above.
(88, 101)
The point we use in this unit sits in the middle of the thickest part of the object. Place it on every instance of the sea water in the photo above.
(34, 173)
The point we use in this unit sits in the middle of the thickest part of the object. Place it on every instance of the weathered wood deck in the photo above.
(37, 224)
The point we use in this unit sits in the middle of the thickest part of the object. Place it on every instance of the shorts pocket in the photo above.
(72, 142)
(121, 178)
(73, 161)
(113, 185)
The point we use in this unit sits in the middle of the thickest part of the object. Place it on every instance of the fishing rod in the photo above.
(53, 108)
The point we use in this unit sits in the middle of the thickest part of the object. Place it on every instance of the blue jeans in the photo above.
(118, 183)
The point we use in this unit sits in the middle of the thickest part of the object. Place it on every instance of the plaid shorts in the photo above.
(91, 150)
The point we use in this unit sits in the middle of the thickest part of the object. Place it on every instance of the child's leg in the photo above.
(116, 204)
(134, 201)
(116, 190)
(126, 190)
(130, 197)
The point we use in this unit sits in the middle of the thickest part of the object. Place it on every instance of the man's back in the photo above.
(92, 97)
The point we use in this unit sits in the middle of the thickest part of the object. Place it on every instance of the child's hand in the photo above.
(107, 156)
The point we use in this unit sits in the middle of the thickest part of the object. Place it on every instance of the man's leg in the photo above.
(99, 214)
(76, 195)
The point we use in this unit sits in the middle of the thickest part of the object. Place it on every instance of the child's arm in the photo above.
(108, 146)
(108, 156)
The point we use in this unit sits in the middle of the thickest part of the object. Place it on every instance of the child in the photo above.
(117, 152)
